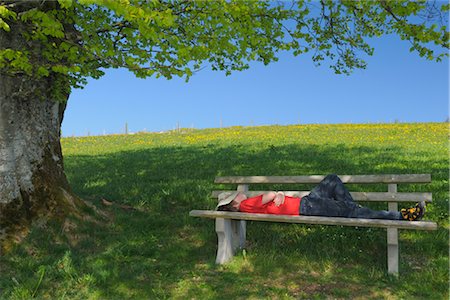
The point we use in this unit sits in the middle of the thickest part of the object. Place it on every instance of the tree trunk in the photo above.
(32, 180)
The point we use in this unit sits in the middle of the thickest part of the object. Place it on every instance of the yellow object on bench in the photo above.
(231, 226)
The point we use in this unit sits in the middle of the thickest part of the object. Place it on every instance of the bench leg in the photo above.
(242, 233)
(392, 251)
(225, 249)
(230, 236)
(392, 237)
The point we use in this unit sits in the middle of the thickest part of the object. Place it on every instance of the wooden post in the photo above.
(231, 235)
(392, 238)
(241, 225)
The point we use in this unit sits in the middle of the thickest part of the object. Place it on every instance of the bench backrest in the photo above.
(392, 180)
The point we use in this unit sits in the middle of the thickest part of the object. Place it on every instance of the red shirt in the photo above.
(291, 206)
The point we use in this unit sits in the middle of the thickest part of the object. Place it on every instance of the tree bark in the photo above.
(32, 180)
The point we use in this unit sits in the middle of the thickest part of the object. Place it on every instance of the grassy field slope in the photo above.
(137, 241)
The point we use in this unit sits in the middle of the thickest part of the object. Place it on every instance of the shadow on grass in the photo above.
(157, 251)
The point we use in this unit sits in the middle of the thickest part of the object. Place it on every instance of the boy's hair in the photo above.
(228, 207)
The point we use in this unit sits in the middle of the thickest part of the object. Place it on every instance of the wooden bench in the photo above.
(231, 226)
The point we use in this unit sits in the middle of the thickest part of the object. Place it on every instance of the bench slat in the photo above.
(358, 196)
(382, 178)
(419, 225)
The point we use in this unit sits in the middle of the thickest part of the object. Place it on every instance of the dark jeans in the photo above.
(331, 199)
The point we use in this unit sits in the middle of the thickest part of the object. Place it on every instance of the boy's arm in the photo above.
(277, 197)
(267, 197)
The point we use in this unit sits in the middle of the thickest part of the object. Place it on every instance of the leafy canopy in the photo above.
(79, 39)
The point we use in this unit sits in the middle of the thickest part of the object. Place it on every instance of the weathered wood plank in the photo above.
(392, 238)
(358, 196)
(419, 225)
(241, 227)
(381, 178)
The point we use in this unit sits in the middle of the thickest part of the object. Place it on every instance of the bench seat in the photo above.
(417, 225)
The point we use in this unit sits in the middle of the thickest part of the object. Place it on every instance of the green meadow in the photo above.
(136, 240)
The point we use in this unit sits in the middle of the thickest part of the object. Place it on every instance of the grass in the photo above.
(145, 246)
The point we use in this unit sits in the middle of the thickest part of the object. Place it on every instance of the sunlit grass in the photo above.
(156, 251)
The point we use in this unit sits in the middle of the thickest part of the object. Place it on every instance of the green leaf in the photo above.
(6, 13)
(43, 71)
(65, 3)
(60, 69)
(4, 25)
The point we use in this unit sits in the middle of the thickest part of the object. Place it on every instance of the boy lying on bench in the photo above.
(330, 198)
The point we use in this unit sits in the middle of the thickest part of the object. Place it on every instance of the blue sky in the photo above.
(396, 86)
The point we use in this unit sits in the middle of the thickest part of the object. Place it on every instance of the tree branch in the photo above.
(388, 9)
